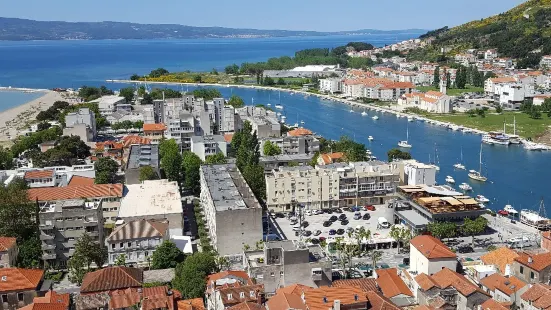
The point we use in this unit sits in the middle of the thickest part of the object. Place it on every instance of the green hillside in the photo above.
(523, 32)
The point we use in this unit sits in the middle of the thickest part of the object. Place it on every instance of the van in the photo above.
(383, 223)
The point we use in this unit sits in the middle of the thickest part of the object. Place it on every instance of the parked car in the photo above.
(332, 232)
(337, 210)
(280, 215)
(465, 249)
(344, 222)
(307, 233)
(342, 217)
(322, 239)
(349, 229)
(355, 209)
(316, 212)
(357, 215)
(314, 241)
(305, 224)
(296, 227)
(333, 218)
(327, 223)
(369, 208)
(366, 216)
(308, 212)
(317, 232)
(340, 231)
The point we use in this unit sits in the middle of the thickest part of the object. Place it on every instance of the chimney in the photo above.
(336, 305)
(530, 260)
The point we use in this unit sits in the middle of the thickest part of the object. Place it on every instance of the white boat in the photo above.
(466, 187)
(279, 106)
(535, 219)
(477, 175)
(450, 180)
(368, 152)
(459, 165)
(514, 138)
(364, 113)
(510, 210)
(482, 199)
(410, 119)
(370, 138)
(404, 143)
(302, 122)
(283, 118)
(495, 138)
(295, 125)
(269, 104)
(375, 117)
(454, 127)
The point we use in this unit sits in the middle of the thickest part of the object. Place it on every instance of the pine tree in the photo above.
(436, 81)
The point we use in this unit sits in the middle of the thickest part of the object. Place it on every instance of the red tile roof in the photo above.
(124, 298)
(537, 262)
(229, 274)
(39, 174)
(52, 297)
(379, 302)
(329, 158)
(284, 301)
(391, 284)
(500, 258)
(235, 294)
(492, 281)
(19, 279)
(228, 137)
(154, 127)
(247, 306)
(78, 180)
(425, 281)
(431, 247)
(299, 132)
(7, 243)
(296, 289)
(366, 284)
(448, 278)
(111, 278)
(35, 306)
(539, 294)
(75, 192)
(492, 304)
(191, 304)
(129, 140)
(322, 298)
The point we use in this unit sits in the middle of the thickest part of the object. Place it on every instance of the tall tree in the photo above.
(190, 276)
(191, 164)
(148, 173)
(473, 228)
(106, 170)
(236, 101)
(436, 77)
(216, 159)
(167, 255)
(271, 149)
(171, 164)
(127, 93)
(397, 154)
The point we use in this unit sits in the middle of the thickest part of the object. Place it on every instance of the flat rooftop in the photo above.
(228, 189)
(143, 155)
(208, 139)
(413, 218)
(439, 199)
(152, 197)
(286, 158)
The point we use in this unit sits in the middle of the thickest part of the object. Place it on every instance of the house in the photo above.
(504, 289)
(512, 95)
(365, 284)
(40, 178)
(111, 149)
(533, 268)
(130, 140)
(51, 301)
(8, 252)
(286, 301)
(505, 63)
(393, 287)
(324, 298)
(191, 304)
(429, 255)
(230, 288)
(448, 289)
(540, 99)
(491, 304)
(18, 287)
(137, 240)
(432, 101)
(537, 297)
(330, 85)
(329, 158)
(353, 88)
(108, 104)
(490, 54)
(546, 240)
(490, 84)
(545, 61)
(154, 132)
(501, 258)
(81, 123)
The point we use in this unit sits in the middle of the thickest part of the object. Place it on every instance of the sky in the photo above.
(317, 15)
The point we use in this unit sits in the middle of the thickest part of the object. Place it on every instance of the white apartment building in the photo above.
(429, 255)
(512, 95)
(353, 88)
(490, 84)
(545, 61)
(331, 85)
(227, 120)
(490, 54)
(465, 59)
(81, 123)
(204, 146)
(181, 129)
(263, 122)
(432, 101)
(232, 212)
(108, 104)
(416, 173)
(505, 63)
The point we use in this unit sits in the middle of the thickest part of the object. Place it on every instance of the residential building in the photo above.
(505, 63)
(141, 155)
(502, 259)
(330, 158)
(465, 59)
(365, 284)
(491, 304)
(130, 140)
(287, 262)
(393, 287)
(191, 304)
(111, 149)
(533, 267)
(416, 173)
(81, 123)
(490, 84)
(447, 289)
(545, 61)
(227, 120)
(18, 287)
(204, 146)
(230, 288)
(136, 240)
(490, 54)
(297, 141)
(154, 200)
(108, 104)
(334, 298)
(511, 95)
(264, 122)
(51, 301)
(540, 99)
(536, 297)
(353, 88)
(504, 289)
(155, 132)
(62, 223)
(232, 212)
(40, 178)
(275, 162)
(546, 240)
(8, 252)
(432, 101)
(181, 129)
(122, 115)
(52, 176)
(331, 85)
(429, 255)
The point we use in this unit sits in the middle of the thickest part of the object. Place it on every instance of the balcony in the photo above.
(46, 226)
(46, 246)
(90, 223)
(46, 237)
(48, 256)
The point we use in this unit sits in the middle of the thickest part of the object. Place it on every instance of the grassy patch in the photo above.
(526, 126)
(453, 91)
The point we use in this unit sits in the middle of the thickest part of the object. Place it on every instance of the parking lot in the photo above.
(315, 222)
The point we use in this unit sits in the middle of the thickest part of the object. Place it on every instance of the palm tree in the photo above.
(375, 257)
(400, 234)
(246, 247)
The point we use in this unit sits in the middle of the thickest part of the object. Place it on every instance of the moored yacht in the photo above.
(370, 138)
(404, 143)
(279, 106)
(466, 187)
(450, 180)
(364, 113)
(535, 219)
(375, 117)
(477, 175)
(511, 210)
(481, 199)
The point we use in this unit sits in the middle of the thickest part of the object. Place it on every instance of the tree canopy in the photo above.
(148, 173)
(271, 149)
(91, 93)
(397, 154)
(106, 170)
(206, 93)
(236, 101)
(245, 143)
(127, 93)
(171, 160)
(190, 276)
(191, 164)
(87, 251)
(215, 159)
(167, 255)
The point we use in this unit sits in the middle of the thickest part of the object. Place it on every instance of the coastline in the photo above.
(16, 118)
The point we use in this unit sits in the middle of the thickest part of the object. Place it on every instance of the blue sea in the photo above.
(10, 99)
(515, 176)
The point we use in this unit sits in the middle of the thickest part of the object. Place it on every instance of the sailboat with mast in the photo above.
(514, 138)
(477, 175)
(436, 162)
(404, 143)
(460, 165)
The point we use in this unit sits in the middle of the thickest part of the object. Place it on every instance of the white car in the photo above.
(308, 212)
(296, 227)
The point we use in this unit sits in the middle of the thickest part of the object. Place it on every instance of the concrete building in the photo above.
(264, 122)
(54, 176)
(155, 132)
(233, 214)
(490, 54)
(432, 101)
(227, 120)
(511, 95)
(108, 104)
(81, 123)
(298, 141)
(136, 240)
(275, 162)
(533, 267)
(287, 262)
(182, 128)
(233, 290)
(416, 173)
(62, 223)
(204, 146)
(154, 200)
(141, 155)
(535, 298)
(429, 255)
(331, 85)
(490, 84)
(8, 252)
(19, 287)
(545, 61)
(504, 289)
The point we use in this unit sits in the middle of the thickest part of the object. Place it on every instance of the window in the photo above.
(531, 274)
(129, 244)
(4, 298)
(113, 246)
(252, 294)
(230, 297)
(242, 295)
(521, 270)
(121, 245)
(272, 274)
(281, 273)
(20, 296)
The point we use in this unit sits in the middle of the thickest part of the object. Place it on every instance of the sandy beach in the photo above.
(16, 118)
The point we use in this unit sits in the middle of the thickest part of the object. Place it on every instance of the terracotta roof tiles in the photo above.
(111, 278)
(425, 281)
(38, 174)
(247, 306)
(52, 297)
(284, 301)
(78, 180)
(299, 132)
(233, 295)
(379, 302)
(129, 140)
(500, 257)
(154, 127)
(366, 284)
(539, 294)
(138, 229)
(191, 304)
(296, 289)
(228, 137)
(19, 279)
(322, 298)
(229, 273)
(431, 247)
(536, 262)
(35, 306)
(75, 192)
(7, 243)
(492, 281)
(492, 304)
(391, 284)
(446, 278)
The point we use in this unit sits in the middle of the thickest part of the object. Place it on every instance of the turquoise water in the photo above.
(10, 99)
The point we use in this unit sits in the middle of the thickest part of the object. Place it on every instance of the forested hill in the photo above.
(15, 29)
(523, 32)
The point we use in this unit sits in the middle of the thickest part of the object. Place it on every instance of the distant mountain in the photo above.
(524, 32)
(14, 29)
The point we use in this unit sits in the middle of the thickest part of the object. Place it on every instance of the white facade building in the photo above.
(331, 85)
(204, 146)
(429, 255)
(108, 104)
(416, 173)
(512, 95)
(546, 61)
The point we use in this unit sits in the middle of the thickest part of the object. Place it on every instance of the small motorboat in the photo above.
(510, 210)
(370, 138)
(279, 106)
(410, 119)
(364, 113)
(351, 111)
(466, 187)
(404, 144)
(482, 199)
(302, 122)
(503, 212)
(459, 166)
(375, 117)
(449, 179)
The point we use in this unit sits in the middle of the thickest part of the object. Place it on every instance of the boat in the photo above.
(279, 106)
(283, 118)
(302, 122)
(535, 219)
(449, 179)
(370, 138)
(454, 127)
(495, 138)
(368, 152)
(295, 125)
(269, 104)
(482, 199)
(404, 143)
(364, 113)
(411, 118)
(514, 138)
(351, 111)
(459, 165)
(477, 175)
(511, 210)
(375, 117)
(436, 162)
(466, 187)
